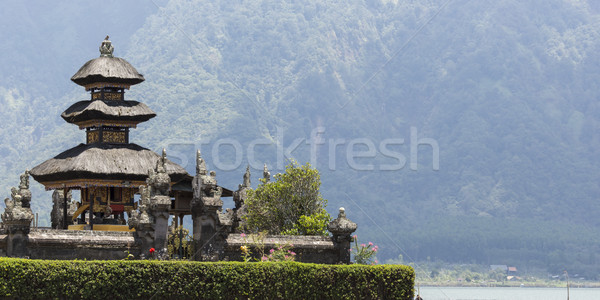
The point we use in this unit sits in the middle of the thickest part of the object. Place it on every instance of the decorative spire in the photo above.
(200, 164)
(266, 174)
(24, 184)
(106, 48)
(161, 164)
(246, 183)
(341, 225)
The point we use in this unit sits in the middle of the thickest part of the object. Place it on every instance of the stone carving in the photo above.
(151, 219)
(246, 183)
(24, 184)
(341, 225)
(158, 179)
(106, 48)
(206, 190)
(15, 211)
(341, 229)
(142, 215)
(57, 214)
(200, 164)
(239, 198)
(211, 225)
(24, 189)
(266, 174)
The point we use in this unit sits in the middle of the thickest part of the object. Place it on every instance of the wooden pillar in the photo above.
(91, 213)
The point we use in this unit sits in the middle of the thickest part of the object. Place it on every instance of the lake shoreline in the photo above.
(572, 285)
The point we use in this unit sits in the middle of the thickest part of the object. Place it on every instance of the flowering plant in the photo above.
(280, 253)
(246, 255)
(364, 253)
(257, 242)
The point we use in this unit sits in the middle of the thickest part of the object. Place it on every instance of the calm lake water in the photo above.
(507, 293)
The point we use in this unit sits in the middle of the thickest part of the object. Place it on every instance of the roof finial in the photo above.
(200, 164)
(266, 174)
(106, 49)
(247, 178)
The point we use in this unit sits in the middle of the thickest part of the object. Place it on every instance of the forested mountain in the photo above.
(506, 90)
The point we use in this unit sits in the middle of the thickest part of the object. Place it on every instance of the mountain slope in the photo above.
(508, 93)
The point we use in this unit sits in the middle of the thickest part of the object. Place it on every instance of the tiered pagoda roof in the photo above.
(107, 158)
(107, 69)
(90, 164)
(107, 112)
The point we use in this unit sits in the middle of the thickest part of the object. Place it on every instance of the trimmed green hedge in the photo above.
(26, 279)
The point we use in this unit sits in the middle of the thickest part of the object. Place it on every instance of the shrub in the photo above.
(135, 279)
(292, 204)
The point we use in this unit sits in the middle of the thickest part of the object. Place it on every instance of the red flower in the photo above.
(152, 250)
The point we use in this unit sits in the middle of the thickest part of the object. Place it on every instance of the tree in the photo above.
(292, 204)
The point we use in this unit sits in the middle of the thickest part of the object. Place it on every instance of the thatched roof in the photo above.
(126, 162)
(107, 69)
(117, 110)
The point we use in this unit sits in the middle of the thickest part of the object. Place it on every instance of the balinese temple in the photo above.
(107, 168)
(133, 193)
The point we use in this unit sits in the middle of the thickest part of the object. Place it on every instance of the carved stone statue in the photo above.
(200, 164)
(142, 215)
(17, 199)
(24, 189)
(266, 174)
(239, 198)
(24, 184)
(158, 180)
(106, 48)
(57, 215)
(17, 219)
(246, 183)
(15, 211)
(10, 204)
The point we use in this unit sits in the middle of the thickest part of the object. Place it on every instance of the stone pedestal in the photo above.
(145, 238)
(208, 242)
(17, 237)
(17, 218)
(160, 211)
(342, 229)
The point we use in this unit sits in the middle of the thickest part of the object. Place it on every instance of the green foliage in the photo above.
(315, 224)
(292, 204)
(37, 279)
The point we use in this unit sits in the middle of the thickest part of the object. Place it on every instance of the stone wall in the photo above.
(80, 244)
(310, 249)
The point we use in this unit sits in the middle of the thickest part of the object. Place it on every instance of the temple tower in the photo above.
(107, 168)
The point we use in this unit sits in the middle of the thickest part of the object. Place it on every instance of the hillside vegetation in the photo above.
(507, 90)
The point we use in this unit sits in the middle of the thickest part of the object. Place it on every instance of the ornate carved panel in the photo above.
(114, 137)
(107, 96)
(93, 137)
